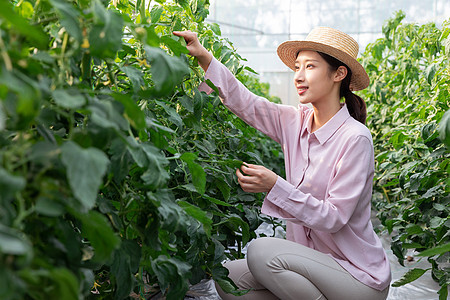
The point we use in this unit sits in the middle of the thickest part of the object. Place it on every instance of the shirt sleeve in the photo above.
(256, 111)
(351, 183)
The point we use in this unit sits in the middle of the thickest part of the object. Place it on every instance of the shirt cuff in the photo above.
(276, 199)
(204, 87)
(280, 191)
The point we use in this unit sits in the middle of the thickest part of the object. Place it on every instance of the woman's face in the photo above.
(313, 78)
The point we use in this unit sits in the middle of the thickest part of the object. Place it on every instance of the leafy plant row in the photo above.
(116, 173)
(409, 116)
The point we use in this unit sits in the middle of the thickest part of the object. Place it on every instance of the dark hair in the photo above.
(355, 104)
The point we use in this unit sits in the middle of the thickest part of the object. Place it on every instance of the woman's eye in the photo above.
(309, 66)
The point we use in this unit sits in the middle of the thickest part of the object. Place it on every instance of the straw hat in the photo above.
(332, 42)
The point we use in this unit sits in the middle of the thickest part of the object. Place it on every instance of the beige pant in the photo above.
(281, 269)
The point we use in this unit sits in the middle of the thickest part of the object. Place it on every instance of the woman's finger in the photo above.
(252, 170)
(185, 34)
(247, 169)
(250, 165)
(242, 178)
(189, 36)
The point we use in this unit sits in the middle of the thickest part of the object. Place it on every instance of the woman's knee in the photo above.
(259, 254)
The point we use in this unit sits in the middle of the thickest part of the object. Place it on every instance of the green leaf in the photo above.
(220, 275)
(443, 292)
(173, 274)
(14, 242)
(251, 70)
(432, 192)
(197, 214)
(153, 39)
(183, 3)
(219, 252)
(197, 173)
(25, 9)
(155, 13)
(199, 102)
(85, 171)
(173, 116)
(237, 224)
(217, 201)
(33, 33)
(108, 114)
(430, 72)
(397, 139)
(224, 187)
(215, 28)
(10, 184)
(133, 250)
(173, 217)
(227, 287)
(232, 163)
(173, 45)
(436, 222)
(436, 250)
(414, 229)
(444, 129)
(135, 76)
(439, 207)
(98, 231)
(133, 113)
(428, 131)
(125, 263)
(187, 102)
(68, 16)
(105, 37)
(48, 207)
(212, 86)
(167, 71)
(9, 289)
(194, 5)
(68, 100)
(66, 284)
(155, 162)
(25, 107)
(412, 246)
(409, 276)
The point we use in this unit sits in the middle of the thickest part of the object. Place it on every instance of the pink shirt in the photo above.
(326, 197)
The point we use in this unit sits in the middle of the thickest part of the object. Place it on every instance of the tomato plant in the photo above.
(116, 173)
(407, 99)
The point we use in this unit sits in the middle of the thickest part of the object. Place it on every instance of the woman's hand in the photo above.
(195, 48)
(256, 179)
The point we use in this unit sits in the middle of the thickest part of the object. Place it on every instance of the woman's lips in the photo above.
(302, 90)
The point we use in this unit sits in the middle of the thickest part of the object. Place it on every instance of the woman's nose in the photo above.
(299, 76)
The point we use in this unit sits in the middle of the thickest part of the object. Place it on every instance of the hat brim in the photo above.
(288, 51)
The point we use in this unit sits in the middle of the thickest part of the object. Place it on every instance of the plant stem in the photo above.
(111, 75)
(4, 53)
(86, 68)
(142, 12)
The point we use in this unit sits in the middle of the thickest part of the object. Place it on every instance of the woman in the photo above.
(331, 251)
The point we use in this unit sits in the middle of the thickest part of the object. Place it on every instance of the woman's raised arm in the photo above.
(195, 48)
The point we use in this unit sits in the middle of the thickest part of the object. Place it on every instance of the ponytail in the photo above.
(355, 104)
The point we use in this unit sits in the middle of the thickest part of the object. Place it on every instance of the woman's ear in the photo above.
(340, 74)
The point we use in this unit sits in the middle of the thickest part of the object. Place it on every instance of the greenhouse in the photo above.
(256, 28)
(165, 150)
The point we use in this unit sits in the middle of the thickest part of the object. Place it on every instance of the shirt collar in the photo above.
(326, 131)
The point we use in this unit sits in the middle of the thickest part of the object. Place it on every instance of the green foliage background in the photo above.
(116, 173)
(407, 103)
